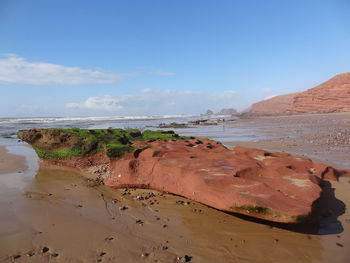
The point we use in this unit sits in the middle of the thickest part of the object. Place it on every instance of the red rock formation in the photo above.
(274, 186)
(330, 96)
(272, 106)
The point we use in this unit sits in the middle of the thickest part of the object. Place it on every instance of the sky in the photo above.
(164, 57)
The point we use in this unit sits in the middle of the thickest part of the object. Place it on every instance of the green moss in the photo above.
(155, 153)
(59, 153)
(114, 150)
(115, 142)
(254, 209)
(159, 135)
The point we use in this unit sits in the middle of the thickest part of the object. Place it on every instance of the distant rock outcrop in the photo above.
(330, 96)
(229, 111)
(209, 112)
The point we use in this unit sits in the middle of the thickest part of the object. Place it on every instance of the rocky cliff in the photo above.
(272, 106)
(330, 96)
(274, 186)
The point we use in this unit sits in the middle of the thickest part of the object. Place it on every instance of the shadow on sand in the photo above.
(324, 219)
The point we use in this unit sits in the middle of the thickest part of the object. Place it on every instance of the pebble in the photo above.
(30, 254)
(45, 249)
(339, 244)
(139, 221)
(185, 258)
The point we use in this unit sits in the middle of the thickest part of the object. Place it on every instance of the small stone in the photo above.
(30, 254)
(185, 258)
(339, 244)
(54, 255)
(102, 254)
(144, 254)
(139, 221)
(115, 201)
(16, 256)
(122, 208)
(45, 249)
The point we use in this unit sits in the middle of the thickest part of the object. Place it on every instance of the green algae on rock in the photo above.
(72, 142)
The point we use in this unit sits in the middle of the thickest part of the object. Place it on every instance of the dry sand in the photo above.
(56, 215)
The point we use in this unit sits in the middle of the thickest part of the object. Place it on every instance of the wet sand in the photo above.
(53, 214)
(10, 163)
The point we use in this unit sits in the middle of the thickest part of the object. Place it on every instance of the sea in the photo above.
(231, 130)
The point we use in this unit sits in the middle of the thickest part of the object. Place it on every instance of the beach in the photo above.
(55, 214)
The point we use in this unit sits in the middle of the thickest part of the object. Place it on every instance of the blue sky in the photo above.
(138, 57)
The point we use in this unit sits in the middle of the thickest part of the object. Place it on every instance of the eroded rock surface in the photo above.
(272, 186)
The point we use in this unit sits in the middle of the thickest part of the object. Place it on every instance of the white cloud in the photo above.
(157, 102)
(162, 73)
(14, 69)
(105, 102)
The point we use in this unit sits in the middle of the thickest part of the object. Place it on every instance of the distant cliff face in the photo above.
(275, 105)
(330, 96)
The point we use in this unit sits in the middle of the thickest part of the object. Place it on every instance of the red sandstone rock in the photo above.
(273, 106)
(273, 186)
(330, 96)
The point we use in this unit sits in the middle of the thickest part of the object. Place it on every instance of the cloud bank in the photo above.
(157, 102)
(17, 70)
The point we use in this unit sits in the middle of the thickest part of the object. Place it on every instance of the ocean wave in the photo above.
(105, 118)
